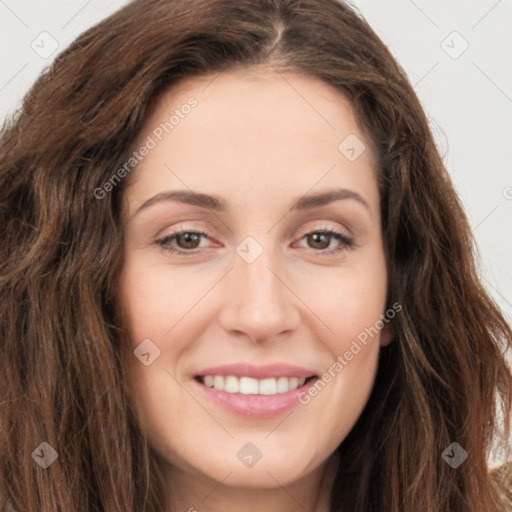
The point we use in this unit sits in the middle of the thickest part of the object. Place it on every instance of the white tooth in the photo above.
(293, 383)
(218, 382)
(268, 387)
(231, 384)
(248, 386)
(282, 385)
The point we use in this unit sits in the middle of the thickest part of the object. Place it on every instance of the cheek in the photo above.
(155, 310)
(350, 304)
(156, 297)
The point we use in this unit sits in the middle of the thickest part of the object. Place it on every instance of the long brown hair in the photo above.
(444, 377)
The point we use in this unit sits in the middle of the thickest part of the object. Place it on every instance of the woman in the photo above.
(146, 369)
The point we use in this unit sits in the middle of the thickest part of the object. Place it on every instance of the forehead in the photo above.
(252, 129)
(261, 96)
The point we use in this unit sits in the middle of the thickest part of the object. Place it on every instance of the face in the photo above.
(254, 261)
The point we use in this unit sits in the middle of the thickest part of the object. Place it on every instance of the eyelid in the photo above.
(184, 229)
(325, 226)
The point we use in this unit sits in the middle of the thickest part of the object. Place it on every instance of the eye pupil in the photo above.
(314, 238)
(188, 238)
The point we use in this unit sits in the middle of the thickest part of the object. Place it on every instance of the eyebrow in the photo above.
(216, 203)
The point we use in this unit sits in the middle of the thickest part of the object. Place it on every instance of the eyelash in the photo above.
(347, 242)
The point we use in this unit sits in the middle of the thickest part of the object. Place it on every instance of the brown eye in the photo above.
(188, 240)
(182, 242)
(319, 240)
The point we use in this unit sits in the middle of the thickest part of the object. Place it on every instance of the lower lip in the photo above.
(255, 406)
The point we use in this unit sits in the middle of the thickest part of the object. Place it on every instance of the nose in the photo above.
(260, 304)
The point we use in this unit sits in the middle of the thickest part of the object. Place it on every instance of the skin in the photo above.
(259, 140)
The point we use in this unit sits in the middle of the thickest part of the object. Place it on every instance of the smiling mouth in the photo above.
(252, 386)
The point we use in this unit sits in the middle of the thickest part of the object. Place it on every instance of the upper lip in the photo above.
(258, 372)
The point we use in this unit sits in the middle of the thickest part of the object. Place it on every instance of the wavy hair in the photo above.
(444, 378)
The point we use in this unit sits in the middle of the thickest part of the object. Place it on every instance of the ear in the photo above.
(387, 334)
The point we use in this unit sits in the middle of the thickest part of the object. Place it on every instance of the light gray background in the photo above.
(467, 94)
